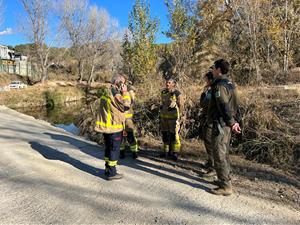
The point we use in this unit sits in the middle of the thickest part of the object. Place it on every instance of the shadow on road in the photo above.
(135, 164)
(53, 154)
(167, 172)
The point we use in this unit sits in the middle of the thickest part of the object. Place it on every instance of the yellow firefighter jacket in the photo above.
(172, 104)
(111, 107)
(129, 112)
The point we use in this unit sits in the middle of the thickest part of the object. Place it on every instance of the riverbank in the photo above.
(41, 95)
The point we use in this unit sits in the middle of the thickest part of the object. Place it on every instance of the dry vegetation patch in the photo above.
(39, 95)
(270, 121)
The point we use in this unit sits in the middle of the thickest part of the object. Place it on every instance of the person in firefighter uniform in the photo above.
(170, 114)
(110, 120)
(130, 132)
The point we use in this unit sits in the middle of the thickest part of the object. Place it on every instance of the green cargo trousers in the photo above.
(207, 135)
(220, 145)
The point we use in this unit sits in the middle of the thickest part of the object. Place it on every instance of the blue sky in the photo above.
(118, 9)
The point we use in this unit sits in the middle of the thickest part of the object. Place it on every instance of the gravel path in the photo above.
(51, 177)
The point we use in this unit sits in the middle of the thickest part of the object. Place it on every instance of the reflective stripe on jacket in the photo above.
(110, 115)
(172, 104)
(131, 97)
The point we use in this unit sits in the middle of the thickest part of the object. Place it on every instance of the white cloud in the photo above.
(7, 31)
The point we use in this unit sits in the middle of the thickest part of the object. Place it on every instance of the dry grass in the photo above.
(269, 128)
(268, 135)
(5, 79)
(37, 96)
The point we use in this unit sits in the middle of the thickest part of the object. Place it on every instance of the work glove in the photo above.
(173, 104)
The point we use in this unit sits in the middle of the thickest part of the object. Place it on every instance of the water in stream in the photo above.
(62, 116)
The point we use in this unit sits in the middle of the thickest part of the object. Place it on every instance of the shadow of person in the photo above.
(159, 171)
(83, 146)
(150, 168)
(53, 154)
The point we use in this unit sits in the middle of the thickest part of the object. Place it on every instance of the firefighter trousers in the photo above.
(112, 152)
(130, 137)
(132, 141)
(170, 134)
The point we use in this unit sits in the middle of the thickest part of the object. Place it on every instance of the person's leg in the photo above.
(210, 169)
(208, 147)
(174, 138)
(106, 152)
(164, 127)
(131, 138)
(166, 143)
(123, 145)
(114, 153)
(220, 143)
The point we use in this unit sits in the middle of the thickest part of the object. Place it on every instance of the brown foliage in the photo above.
(269, 114)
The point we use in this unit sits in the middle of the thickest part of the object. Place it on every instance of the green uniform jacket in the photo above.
(223, 106)
(204, 103)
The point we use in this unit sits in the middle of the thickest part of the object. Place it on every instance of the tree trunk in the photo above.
(256, 63)
(91, 78)
(286, 42)
(80, 71)
(253, 44)
(44, 75)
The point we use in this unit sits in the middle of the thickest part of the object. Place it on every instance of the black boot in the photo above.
(115, 177)
(174, 156)
(163, 155)
(208, 165)
(122, 154)
(134, 155)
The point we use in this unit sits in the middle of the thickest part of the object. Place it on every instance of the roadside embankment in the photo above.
(38, 95)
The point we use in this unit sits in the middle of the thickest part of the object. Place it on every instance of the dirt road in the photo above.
(51, 177)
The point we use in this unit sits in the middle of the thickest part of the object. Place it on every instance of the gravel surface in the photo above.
(51, 177)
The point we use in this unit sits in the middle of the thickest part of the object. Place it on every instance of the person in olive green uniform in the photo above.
(130, 128)
(206, 128)
(221, 112)
(171, 109)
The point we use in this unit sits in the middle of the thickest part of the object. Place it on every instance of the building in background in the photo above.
(13, 62)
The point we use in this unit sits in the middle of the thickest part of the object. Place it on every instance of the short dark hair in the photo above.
(172, 79)
(209, 75)
(223, 65)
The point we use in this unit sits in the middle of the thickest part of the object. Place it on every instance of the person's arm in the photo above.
(122, 99)
(204, 98)
(222, 96)
(132, 96)
(180, 103)
(238, 117)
